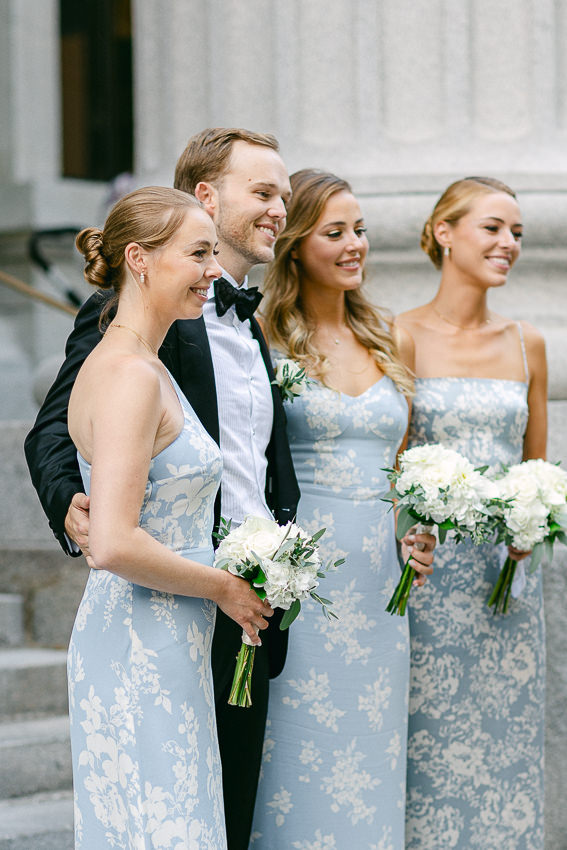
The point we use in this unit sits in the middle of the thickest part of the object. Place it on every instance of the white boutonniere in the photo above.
(291, 379)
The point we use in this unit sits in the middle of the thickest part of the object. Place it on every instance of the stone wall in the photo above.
(400, 96)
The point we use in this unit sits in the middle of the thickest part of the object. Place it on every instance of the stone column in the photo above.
(401, 97)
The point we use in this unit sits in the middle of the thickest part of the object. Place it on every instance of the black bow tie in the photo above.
(245, 300)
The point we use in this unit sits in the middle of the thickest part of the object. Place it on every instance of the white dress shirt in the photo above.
(245, 407)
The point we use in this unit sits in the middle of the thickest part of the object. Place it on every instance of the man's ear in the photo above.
(207, 195)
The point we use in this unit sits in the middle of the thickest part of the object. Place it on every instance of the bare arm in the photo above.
(535, 439)
(406, 348)
(128, 409)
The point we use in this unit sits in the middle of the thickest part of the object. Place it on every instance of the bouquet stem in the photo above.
(241, 690)
(500, 596)
(400, 596)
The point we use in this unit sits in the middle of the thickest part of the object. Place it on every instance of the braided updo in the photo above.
(454, 203)
(150, 217)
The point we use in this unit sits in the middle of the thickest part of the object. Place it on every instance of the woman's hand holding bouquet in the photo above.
(436, 487)
(283, 567)
(532, 515)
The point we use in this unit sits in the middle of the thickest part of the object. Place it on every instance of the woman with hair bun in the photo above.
(333, 774)
(146, 765)
(475, 747)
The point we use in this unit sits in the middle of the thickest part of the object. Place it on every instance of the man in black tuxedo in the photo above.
(222, 364)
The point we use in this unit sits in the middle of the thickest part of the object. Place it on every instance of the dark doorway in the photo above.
(96, 71)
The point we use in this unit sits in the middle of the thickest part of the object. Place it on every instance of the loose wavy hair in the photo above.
(287, 326)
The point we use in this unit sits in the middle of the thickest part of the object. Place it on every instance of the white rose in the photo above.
(256, 535)
(286, 372)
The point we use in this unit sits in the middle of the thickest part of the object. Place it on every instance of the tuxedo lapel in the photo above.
(187, 345)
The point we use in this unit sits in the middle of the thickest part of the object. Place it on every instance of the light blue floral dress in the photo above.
(334, 766)
(146, 766)
(475, 748)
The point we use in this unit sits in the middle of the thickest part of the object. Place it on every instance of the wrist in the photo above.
(219, 586)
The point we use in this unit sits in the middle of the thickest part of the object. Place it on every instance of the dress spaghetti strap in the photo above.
(524, 357)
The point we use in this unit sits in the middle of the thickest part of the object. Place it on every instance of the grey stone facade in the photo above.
(400, 96)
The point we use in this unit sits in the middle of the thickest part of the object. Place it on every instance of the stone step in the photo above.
(32, 681)
(35, 756)
(39, 822)
(11, 619)
(50, 583)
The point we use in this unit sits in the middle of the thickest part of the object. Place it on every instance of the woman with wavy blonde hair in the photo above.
(334, 770)
(477, 679)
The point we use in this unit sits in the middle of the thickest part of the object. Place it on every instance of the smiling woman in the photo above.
(480, 389)
(139, 665)
(337, 715)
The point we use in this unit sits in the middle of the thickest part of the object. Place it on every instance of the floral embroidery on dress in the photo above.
(475, 749)
(146, 766)
(333, 771)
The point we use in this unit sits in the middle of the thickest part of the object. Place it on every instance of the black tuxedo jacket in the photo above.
(52, 458)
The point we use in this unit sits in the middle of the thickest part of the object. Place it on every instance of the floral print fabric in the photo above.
(333, 773)
(475, 747)
(146, 766)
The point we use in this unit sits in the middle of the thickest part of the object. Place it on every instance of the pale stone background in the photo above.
(400, 96)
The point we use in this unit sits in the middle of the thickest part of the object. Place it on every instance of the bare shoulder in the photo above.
(533, 338)
(411, 319)
(405, 345)
(403, 338)
(109, 378)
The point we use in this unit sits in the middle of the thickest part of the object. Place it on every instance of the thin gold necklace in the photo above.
(145, 342)
(461, 327)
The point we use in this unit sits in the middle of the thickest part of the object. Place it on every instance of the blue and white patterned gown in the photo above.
(475, 748)
(333, 774)
(146, 766)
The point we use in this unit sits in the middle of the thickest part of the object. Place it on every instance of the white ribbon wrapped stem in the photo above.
(246, 639)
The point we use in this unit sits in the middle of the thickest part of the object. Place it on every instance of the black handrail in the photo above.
(51, 271)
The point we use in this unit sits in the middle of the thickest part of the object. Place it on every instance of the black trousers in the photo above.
(240, 730)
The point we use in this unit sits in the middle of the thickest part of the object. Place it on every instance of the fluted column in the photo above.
(372, 87)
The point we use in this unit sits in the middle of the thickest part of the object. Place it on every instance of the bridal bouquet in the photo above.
(532, 516)
(282, 565)
(291, 379)
(438, 487)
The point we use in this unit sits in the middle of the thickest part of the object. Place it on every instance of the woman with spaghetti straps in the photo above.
(475, 748)
(334, 765)
(146, 765)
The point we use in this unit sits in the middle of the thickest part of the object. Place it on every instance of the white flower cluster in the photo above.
(289, 564)
(291, 379)
(440, 484)
(538, 494)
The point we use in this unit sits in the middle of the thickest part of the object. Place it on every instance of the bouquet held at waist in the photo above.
(532, 515)
(283, 566)
(436, 487)
(524, 506)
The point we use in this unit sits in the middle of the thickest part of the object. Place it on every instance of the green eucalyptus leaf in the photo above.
(290, 615)
(404, 523)
(537, 553)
